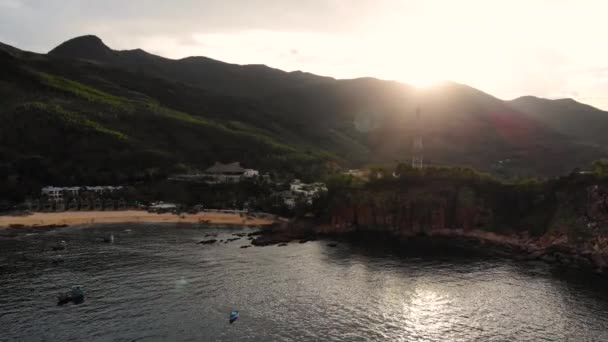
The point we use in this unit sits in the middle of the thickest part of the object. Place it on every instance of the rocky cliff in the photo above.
(563, 220)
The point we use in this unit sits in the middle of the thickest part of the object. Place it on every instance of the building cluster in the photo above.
(220, 173)
(162, 207)
(302, 191)
(354, 173)
(54, 193)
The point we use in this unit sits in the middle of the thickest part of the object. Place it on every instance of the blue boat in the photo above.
(234, 315)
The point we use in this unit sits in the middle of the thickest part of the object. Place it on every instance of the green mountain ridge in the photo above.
(57, 130)
(222, 78)
(85, 113)
(567, 116)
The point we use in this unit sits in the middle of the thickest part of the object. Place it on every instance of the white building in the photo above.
(250, 173)
(228, 173)
(162, 207)
(57, 193)
(306, 191)
(51, 192)
(219, 173)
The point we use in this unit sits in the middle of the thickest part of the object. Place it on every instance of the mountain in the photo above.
(580, 121)
(84, 113)
(89, 48)
(207, 73)
(70, 122)
(459, 125)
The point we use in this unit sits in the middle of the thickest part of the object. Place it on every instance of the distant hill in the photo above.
(580, 121)
(213, 75)
(87, 113)
(460, 125)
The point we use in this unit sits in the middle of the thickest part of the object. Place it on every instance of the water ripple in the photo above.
(155, 284)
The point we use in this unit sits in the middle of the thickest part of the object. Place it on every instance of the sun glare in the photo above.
(423, 81)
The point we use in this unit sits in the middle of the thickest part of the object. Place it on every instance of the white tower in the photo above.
(418, 150)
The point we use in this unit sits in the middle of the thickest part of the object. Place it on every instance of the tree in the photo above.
(600, 167)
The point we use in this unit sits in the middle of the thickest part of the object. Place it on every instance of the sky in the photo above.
(508, 48)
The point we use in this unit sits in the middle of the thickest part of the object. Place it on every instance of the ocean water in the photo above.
(154, 283)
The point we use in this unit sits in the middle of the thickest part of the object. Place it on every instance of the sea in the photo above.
(153, 282)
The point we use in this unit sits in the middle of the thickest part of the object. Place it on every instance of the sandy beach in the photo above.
(84, 217)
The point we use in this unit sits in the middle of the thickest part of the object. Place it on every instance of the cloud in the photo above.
(10, 4)
(189, 40)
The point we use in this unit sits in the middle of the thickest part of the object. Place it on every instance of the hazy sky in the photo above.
(548, 48)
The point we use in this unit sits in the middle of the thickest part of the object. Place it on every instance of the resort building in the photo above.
(219, 173)
(162, 207)
(52, 193)
(307, 192)
(58, 193)
(228, 173)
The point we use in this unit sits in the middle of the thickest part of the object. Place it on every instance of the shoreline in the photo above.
(550, 249)
(127, 216)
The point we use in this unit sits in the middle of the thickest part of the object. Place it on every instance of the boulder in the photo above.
(598, 261)
(207, 242)
(548, 258)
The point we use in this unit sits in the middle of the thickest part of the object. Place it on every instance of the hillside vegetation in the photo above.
(57, 129)
(455, 198)
(85, 113)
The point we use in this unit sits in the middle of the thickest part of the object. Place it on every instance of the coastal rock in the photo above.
(207, 242)
(246, 246)
(599, 261)
(262, 242)
(269, 240)
(256, 233)
(332, 244)
(535, 255)
(282, 244)
(563, 258)
(51, 226)
(548, 258)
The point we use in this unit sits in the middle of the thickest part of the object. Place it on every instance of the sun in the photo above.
(424, 82)
(419, 74)
(422, 77)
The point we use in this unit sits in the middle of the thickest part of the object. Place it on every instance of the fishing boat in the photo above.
(234, 315)
(75, 295)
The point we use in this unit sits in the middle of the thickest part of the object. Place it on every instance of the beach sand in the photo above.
(87, 217)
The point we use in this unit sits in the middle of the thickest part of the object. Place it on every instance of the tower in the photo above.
(417, 150)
